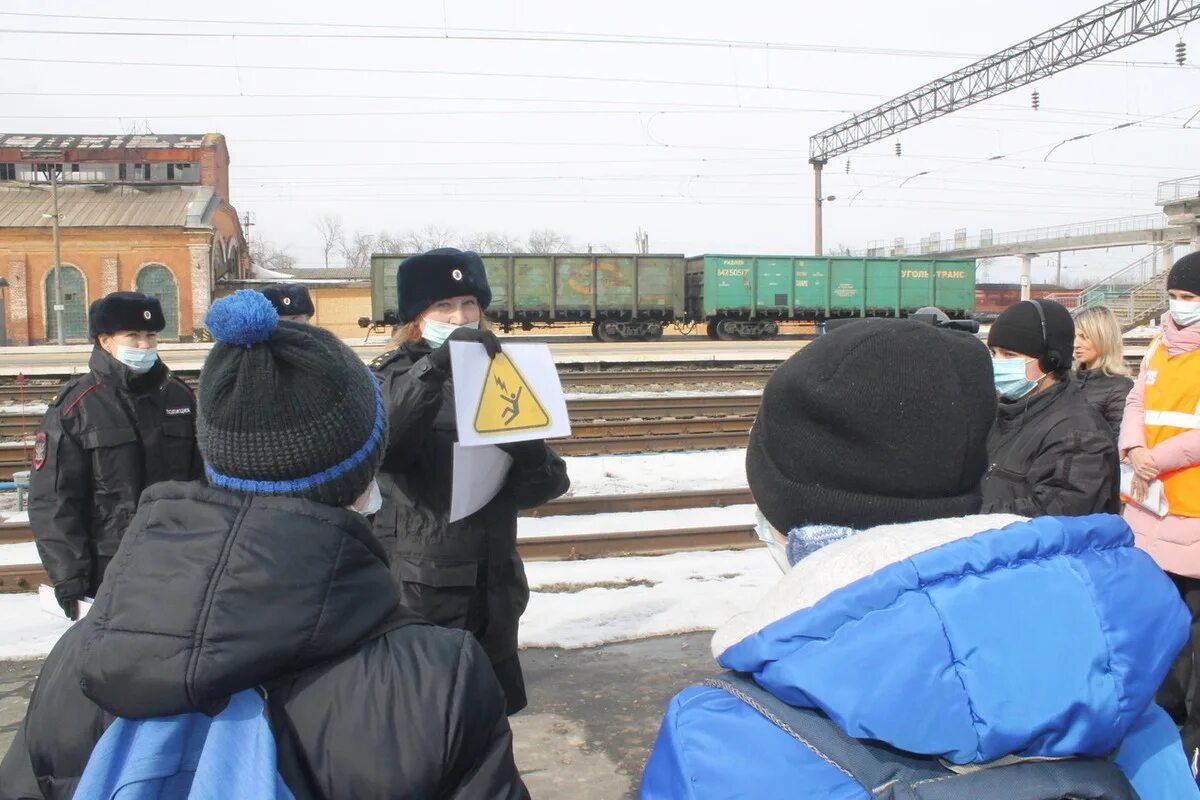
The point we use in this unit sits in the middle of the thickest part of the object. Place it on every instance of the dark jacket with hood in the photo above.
(466, 574)
(106, 437)
(1107, 395)
(214, 592)
(1051, 453)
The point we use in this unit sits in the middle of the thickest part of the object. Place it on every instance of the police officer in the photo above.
(291, 301)
(108, 435)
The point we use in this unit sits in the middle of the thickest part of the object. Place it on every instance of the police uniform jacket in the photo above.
(106, 437)
(464, 574)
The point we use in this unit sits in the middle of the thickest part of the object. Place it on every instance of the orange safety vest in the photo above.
(1173, 407)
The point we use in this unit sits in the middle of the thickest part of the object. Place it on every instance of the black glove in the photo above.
(440, 357)
(70, 605)
(525, 452)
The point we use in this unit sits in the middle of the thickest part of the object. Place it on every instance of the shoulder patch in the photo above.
(386, 358)
(39, 450)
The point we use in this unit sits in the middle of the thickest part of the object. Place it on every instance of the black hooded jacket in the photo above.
(214, 592)
(106, 437)
(1107, 394)
(464, 574)
(1051, 454)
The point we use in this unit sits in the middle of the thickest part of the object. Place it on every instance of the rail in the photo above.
(1179, 189)
(936, 244)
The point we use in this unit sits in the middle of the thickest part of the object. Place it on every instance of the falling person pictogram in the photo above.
(507, 403)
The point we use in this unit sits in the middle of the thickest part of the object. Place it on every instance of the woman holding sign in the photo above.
(1160, 439)
(467, 573)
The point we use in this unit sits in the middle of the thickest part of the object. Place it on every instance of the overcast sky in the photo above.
(483, 115)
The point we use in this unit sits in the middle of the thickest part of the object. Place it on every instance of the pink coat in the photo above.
(1173, 541)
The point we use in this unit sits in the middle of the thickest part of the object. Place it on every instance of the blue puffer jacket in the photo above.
(971, 639)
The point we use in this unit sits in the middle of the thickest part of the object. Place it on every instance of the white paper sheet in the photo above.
(479, 472)
(1156, 498)
(514, 399)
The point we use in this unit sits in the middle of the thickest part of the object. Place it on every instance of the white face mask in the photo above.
(436, 333)
(369, 501)
(138, 360)
(1184, 312)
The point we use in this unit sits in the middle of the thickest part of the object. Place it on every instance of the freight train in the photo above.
(636, 296)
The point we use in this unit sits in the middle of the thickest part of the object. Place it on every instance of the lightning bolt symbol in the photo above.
(500, 383)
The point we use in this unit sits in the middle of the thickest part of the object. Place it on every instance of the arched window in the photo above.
(157, 281)
(74, 294)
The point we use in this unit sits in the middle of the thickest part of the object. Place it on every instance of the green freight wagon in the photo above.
(624, 296)
(746, 296)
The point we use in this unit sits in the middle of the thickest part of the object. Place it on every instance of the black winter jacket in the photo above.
(106, 437)
(466, 574)
(214, 592)
(1107, 395)
(1051, 454)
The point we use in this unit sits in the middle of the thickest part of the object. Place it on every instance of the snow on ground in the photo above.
(572, 603)
(8, 513)
(26, 631)
(1143, 332)
(27, 408)
(657, 472)
(587, 603)
(624, 522)
(23, 553)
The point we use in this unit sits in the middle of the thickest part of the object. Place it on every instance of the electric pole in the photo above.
(59, 306)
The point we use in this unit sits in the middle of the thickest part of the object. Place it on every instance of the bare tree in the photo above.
(332, 234)
(427, 238)
(356, 250)
(548, 240)
(491, 242)
(266, 255)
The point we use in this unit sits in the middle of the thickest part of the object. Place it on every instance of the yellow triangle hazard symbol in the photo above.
(507, 403)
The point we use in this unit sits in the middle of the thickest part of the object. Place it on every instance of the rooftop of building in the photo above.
(110, 205)
(139, 141)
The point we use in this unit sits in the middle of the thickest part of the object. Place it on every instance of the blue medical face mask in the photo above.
(1009, 375)
(138, 360)
(1184, 312)
(436, 333)
(801, 542)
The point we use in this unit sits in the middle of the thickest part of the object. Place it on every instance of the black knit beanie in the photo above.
(286, 408)
(1019, 329)
(422, 280)
(883, 421)
(1185, 275)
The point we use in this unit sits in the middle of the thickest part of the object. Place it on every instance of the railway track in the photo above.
(43, 389)
(26, 577)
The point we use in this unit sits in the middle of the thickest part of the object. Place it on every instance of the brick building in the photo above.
(145, 213)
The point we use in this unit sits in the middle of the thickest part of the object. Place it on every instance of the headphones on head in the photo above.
(1052, 358)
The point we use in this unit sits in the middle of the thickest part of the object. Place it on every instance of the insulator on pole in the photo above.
(1036, 100)
(897, 149)
(847, 166)
(1180, 52)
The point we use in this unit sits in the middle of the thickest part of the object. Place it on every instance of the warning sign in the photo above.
(514, 397)
(507, 402)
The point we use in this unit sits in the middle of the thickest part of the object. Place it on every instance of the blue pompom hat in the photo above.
(286, 408)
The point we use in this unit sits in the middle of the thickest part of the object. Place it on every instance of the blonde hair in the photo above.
(1099, 326)
(411, 331)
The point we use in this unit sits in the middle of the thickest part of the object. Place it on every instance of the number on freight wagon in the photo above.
(733, 273)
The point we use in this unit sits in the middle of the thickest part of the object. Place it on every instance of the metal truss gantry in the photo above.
(1098, 32)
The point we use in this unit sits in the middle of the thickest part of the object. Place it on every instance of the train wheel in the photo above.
(770, 330)
(727, 330)
(711, 329)
(596, 331)
(653, 331)
(608, 332)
